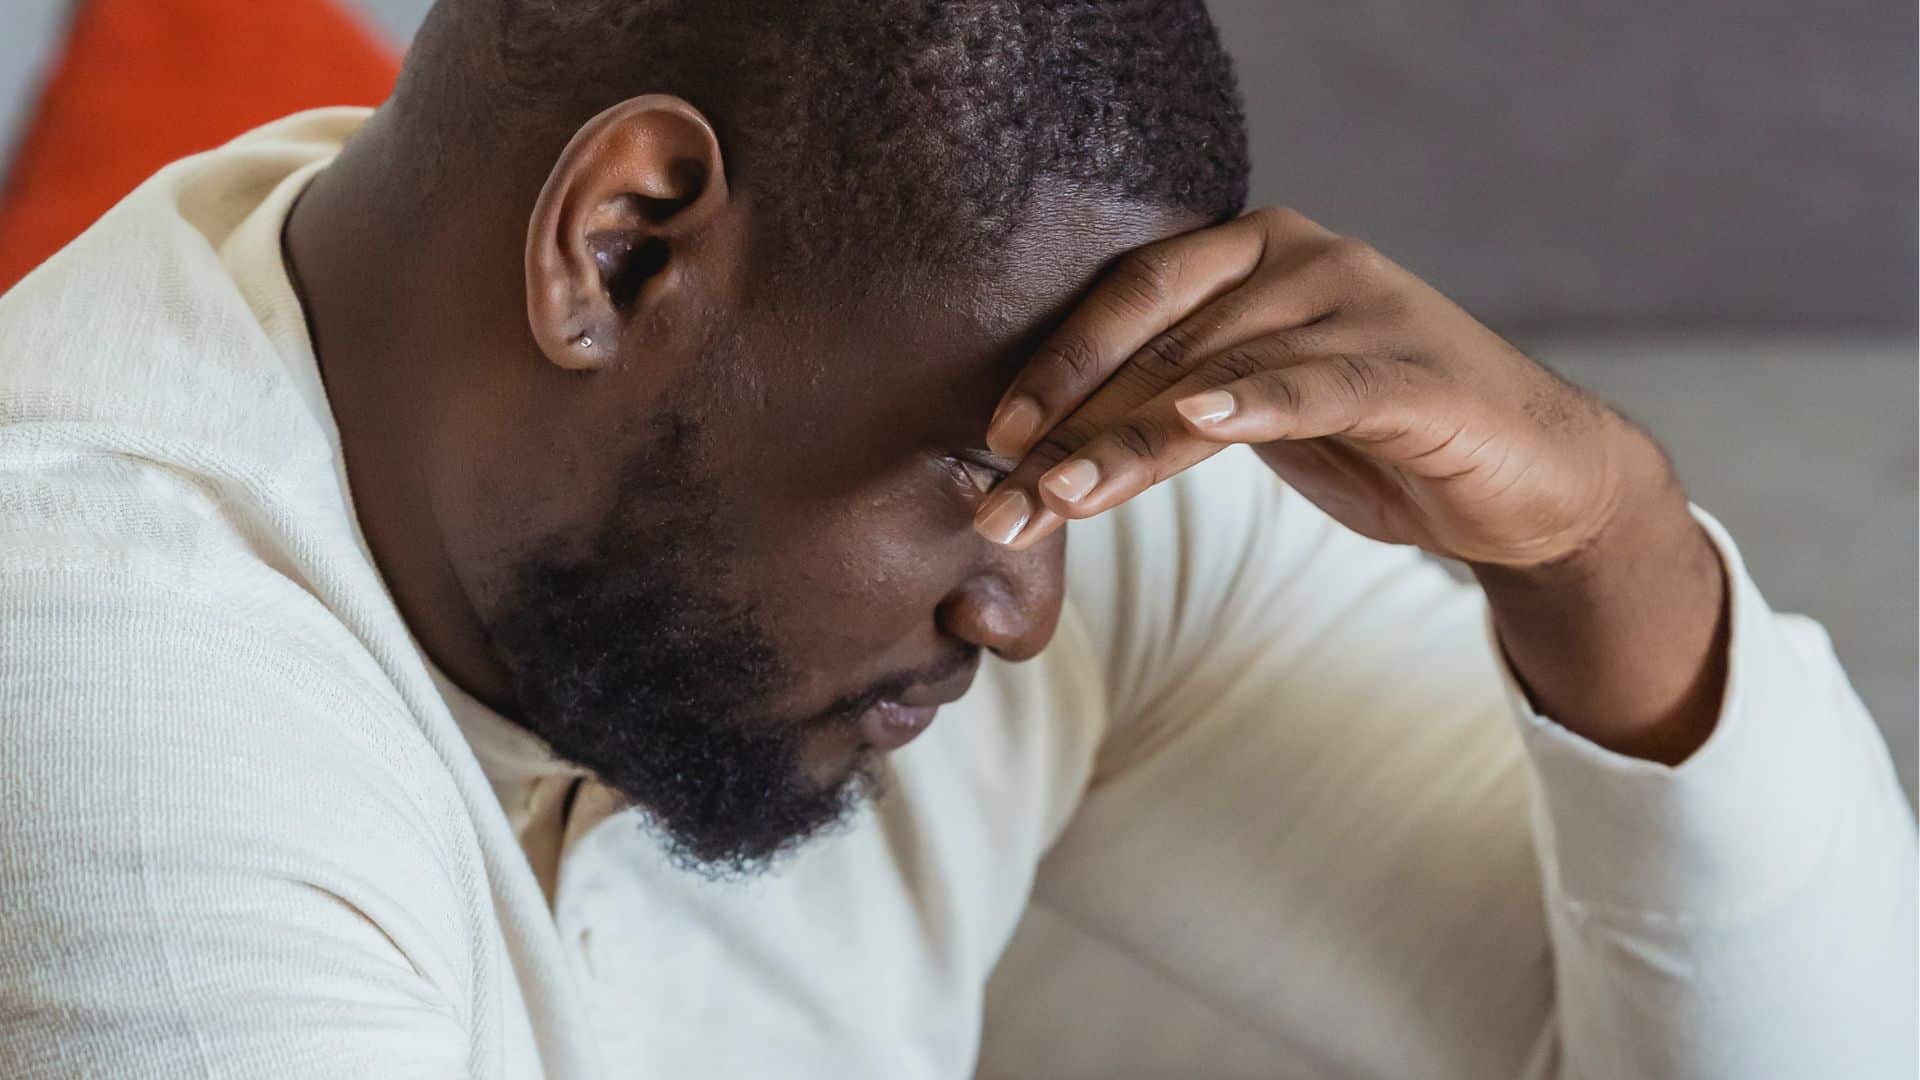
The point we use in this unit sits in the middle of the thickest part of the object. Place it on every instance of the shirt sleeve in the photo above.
(208, 867)
(1750, 911)
(1324, 834)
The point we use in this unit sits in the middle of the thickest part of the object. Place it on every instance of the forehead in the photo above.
(1048, 264)
(979, 324)
(856, 376)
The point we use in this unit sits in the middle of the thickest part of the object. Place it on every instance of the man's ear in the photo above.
(604, 243)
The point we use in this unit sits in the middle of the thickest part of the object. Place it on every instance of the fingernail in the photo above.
(1208, 408)
(1072, 480)
(1003, 517)
(1014, 428)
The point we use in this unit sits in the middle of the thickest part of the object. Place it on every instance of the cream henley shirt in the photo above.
(1269, 805)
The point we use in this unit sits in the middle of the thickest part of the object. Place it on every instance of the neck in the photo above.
(349, 246)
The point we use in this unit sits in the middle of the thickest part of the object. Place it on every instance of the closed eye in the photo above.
(981, 477)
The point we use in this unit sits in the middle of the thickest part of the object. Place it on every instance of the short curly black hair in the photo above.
(921, 129)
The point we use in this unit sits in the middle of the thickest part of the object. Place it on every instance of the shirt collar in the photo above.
(509, 753)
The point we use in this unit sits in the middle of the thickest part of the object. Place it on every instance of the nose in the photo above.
(1010, 604)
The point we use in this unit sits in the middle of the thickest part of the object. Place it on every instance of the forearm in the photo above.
(1624, 643)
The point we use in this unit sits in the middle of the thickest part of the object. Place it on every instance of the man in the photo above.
(431, 534)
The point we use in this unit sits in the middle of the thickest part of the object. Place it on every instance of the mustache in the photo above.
(848, 708)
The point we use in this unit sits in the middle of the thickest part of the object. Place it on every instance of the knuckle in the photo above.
(1140, 438)
(1392, 307)
(1355, 257)
(1286, 394)
(1236, 364)
(1066, 437)
(1356, 375)
(1424, 366)
(1075, 359)
(1305, 342)
(1281, 216)
(1143, 280)
(1300, 344)
(1168, 355)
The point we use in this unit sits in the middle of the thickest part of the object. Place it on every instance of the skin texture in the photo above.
(1407, 420)
(502, 369)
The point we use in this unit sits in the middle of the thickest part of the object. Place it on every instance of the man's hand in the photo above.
(1366, 390)
(1408, 421)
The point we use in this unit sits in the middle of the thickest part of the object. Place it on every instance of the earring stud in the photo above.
(583, 341)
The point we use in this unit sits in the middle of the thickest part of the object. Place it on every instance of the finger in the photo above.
(1123, 440)
(1012, 516)
(1146, 293)
(1147, 304)
(1126, 459)
(1347, 394)
(1000, 517)
(1019, 509)
(1101, 456)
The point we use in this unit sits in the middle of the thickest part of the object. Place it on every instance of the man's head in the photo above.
(723, 293)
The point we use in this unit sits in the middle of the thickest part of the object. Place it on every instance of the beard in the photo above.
(628, 661)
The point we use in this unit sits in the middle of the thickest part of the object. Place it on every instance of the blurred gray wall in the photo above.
(1689, 163)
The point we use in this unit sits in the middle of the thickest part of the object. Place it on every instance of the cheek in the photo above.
(810, 429)
(849, 571)
(847, 531)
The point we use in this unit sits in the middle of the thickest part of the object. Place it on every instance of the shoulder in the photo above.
(214, 848)
(185, 757)
(144, 337)
(111, 662)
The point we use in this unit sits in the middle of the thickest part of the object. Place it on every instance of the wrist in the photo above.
(1623, 640)
(1641, 513)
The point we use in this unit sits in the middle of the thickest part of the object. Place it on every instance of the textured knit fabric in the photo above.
(1269, 805)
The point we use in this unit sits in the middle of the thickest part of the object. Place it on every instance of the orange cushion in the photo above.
(144, 82)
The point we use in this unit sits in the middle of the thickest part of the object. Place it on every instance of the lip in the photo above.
(892, 723)
(944, 692)
(888, 725)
